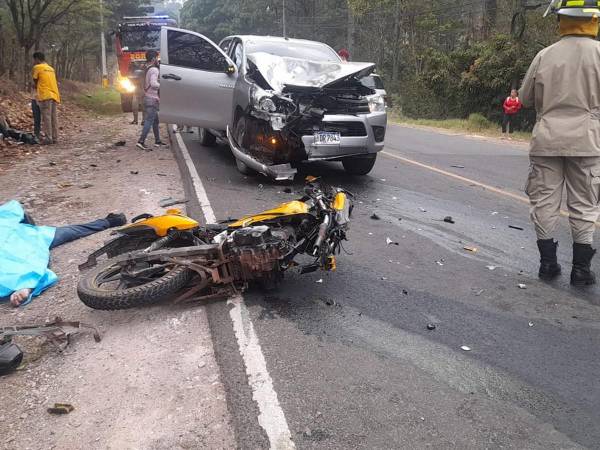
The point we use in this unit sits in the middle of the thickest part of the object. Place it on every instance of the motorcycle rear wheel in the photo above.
(91, 292)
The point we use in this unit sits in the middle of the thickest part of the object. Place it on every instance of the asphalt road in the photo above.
(351, 358)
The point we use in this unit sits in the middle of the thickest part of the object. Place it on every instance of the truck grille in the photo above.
(347, 105)
(355, 129)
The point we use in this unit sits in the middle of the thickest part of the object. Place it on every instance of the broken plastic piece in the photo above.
(530, 324)
(388, 241)
(470, 249)
(320, 280)
(449, 219)
(466, 348)
(422, 209)
(491, 267)
(515, 227)
(522, 286)
(431, 326)
(374, 216)
(457, 166)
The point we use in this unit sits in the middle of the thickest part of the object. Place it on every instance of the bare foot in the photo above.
(19, 296)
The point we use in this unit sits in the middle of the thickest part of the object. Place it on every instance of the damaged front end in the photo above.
(294, 101)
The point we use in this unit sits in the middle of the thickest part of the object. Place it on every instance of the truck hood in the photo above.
(280, 71)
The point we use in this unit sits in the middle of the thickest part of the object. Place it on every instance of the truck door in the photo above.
(197, 80)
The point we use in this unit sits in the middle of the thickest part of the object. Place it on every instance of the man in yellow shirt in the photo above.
(47, 95)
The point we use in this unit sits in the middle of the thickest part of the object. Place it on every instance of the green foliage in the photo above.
(100, 101)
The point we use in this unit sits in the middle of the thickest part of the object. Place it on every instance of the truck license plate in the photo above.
(327, 138)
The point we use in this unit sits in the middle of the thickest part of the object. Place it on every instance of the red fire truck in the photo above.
(136, 35)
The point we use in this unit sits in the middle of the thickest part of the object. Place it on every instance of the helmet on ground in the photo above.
(574, 8)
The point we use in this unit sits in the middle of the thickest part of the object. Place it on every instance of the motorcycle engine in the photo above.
(256, 252)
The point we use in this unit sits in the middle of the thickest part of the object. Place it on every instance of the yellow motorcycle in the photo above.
(155, 258)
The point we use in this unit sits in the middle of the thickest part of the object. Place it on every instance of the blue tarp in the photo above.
(24, 253)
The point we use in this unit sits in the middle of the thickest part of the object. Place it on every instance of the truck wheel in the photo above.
(240, 134)
(359, 165)
(126, 100)
(206, 137)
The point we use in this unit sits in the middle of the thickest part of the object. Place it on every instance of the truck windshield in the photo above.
(140, 40)
(290, 49)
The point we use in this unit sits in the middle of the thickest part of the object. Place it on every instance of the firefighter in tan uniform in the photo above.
(563, 83)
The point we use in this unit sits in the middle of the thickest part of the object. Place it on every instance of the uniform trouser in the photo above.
(49, 119)
(548, 175)
(37, 118)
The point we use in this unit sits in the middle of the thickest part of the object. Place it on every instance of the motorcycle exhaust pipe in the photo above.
(321, 236)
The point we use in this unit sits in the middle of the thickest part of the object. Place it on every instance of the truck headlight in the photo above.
(262, 100)
(377, 103)
(127, 85)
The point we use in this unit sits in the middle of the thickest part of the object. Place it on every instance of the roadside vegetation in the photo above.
(100, 101)
(474, 124)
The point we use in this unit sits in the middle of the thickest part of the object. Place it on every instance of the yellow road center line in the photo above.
(520, 198)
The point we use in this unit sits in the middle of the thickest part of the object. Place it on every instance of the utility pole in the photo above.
(283, 20)
(103, 47)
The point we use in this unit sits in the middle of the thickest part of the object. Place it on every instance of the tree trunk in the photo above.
(350, 31)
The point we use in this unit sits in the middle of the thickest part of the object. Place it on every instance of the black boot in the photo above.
(549, 267)
(581, 275)
(116, 219)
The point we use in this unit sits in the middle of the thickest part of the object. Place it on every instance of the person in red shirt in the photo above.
(511, 106)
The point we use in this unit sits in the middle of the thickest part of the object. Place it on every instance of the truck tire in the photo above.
(359, 165)
(126, 103)
(91, 293)
(239, 133)
(206, 137)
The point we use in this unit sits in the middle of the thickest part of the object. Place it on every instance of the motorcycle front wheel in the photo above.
(109, 287)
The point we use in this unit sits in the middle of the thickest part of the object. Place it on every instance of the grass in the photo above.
(475, 124)
(100, 101)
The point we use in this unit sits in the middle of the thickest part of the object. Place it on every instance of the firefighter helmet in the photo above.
(574, 8)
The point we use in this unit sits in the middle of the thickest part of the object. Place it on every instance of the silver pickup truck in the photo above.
(277, 101)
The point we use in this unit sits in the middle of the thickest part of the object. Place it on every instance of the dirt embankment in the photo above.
(152, 382)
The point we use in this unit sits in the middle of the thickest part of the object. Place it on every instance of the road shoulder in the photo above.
(153, 381)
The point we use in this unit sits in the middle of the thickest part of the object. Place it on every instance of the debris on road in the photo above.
(388, 241)
(161, 174)
(449, 219)
(431, 326)
(457, 166)
(374, 216)
(320, 280)
(494, 213)
(120, 143)
(86, 185)
(470, 249)
(287, 190)
(171, 201)
(514, 227)
(479, 292)
(134, 172)
(422, 209)
(522, 286)
(440, 262)
(530, 324)
(61, 408)
(260, 186)
(11, 357)
(466, 348)
(491, 267)
(404, 291)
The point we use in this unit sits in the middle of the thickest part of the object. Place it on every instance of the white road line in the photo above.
(271, 417)
(208, 212)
